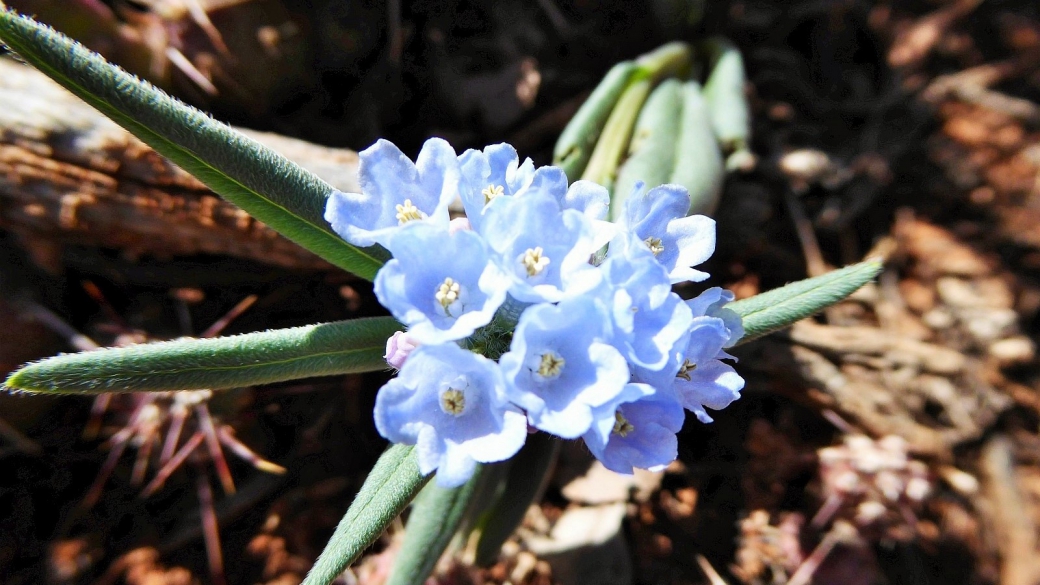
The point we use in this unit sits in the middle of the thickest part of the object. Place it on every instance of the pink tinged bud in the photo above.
(459, 224)
(397, 349)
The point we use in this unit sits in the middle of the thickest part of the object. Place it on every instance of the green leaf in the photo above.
(651, 152)
(268, 186)
(574, 146)
(527, 477)
(724, 95)
(436, 515)
(698, 162)
(389, 487)
(779, 308)
(342, 347)
(613, 142)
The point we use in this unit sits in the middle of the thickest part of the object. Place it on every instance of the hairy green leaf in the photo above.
(436, 515)
(575, 144)
(268, 186)
(528, 474)
(389, 487)
(779, 308)
(614, 139)
(724, 95)
(651, 152)
(698, 162)
(342, 347)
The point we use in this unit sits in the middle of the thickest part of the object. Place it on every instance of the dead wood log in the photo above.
(69, 175)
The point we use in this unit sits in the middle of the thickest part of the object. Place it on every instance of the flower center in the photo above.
(407, 212)
(492, 191)
(685, 369)
(654, 244)
(447, 294)
(551, 365)
(535, 261)
(453, 401)
(621, 425)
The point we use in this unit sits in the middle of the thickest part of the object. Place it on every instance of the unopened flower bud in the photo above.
(397, 349)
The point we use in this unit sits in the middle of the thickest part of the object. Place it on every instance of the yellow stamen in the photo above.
(654, 244)
(447, 293)
(685, 369)
(551, 365)
(621, 425)
(407, 212)
(453, 401)
(534, 261)
(492, 191)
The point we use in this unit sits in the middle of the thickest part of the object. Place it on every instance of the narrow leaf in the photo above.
(698, 162)
(268, 186)
(574, 147)
(724, 95)
(779, 308)
(435, 517)
(326, 349)
(669, 60)
(651, 153)
(389, 487)
(617, 132)
(528, 475)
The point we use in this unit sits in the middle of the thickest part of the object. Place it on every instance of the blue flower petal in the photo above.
(442, 285)
(394, 192)
(451, 404)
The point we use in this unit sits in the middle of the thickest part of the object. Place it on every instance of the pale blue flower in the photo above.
(489, 174)
(395, 192)
(636, 429)
(450, 403)
(648, 318)
(559, 367)
(590, 199)
(711, 303)
(658, 218)
(544, 249)
(702, 379)
(714, 385)
(442, 285)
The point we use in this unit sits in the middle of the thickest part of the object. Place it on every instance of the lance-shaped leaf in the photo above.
(779, 308)
(389, 487)
(528, 475)
(724, 95)
(326, 349)
(435, 517)
(698, 162)
(574, 147)
(651, 153)
(669, 59)
(268, 186)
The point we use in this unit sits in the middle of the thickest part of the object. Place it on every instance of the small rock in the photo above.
(939, 318)
(989, 293)
(988, 325)
(586, 546)
(600, 485)
(1013, 351)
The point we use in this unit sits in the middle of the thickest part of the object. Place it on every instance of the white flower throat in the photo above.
(655, 245)
(551, 365)
(453, 401)
(447, 294)
(535, 261)
(621, 425)
(407, 212)
(491, 192)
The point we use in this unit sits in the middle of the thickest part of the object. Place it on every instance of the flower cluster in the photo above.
(535, 311)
